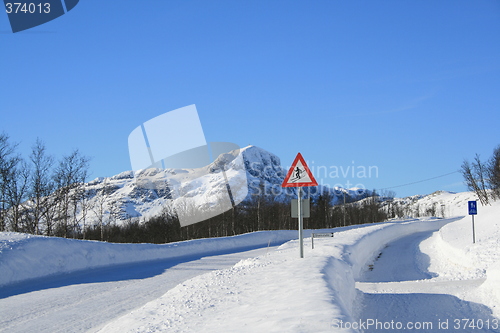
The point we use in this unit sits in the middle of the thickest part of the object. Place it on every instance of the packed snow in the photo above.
(408, 274)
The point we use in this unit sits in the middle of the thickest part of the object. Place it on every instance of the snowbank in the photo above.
(24, 257)
(361, 246)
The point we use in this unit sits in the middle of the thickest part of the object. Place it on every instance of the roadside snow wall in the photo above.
(25, 257)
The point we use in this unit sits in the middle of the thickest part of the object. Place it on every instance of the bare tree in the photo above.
(493, 168)
(41, 185)
(474, 176)
(480, 174)
(99, 206)
(84, 205)
(79, 202)
(8, 162)
(50, 215)
(69, 178)
(17, 190)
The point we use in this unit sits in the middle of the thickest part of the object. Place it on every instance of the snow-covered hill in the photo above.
(439, 204)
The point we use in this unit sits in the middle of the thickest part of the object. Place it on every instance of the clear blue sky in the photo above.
(409, 87)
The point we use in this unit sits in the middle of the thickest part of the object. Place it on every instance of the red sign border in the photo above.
(290, 171)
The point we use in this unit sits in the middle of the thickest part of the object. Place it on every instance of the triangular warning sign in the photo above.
(299, 174)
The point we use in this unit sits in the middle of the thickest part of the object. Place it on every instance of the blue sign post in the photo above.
(472, 212)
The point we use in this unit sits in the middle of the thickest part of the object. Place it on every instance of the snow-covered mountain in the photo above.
(246, 173)
(149, 192)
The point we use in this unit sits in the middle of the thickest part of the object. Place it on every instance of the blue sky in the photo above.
(409, 87)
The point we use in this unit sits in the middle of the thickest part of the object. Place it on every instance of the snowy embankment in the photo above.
(25, 257)
(454, 256)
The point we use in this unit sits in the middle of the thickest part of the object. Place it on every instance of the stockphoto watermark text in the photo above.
(353, 177)
(455, 324)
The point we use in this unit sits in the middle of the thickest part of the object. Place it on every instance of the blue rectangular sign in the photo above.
(472, 207)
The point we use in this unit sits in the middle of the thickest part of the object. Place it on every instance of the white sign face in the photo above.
(327, 234)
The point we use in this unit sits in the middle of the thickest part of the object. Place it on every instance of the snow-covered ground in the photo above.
(417, 274)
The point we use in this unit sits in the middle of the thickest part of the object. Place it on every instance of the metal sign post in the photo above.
(472, 212)
(301, 224)
(299, 175)
(473, 231)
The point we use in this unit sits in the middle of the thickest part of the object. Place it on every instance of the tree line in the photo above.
(259, 212)
(41, 195)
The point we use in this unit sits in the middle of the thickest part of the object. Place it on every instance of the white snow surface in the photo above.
(421, 269)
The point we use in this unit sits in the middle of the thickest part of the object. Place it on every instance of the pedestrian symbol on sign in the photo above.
(297, 173)
(472, 207)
